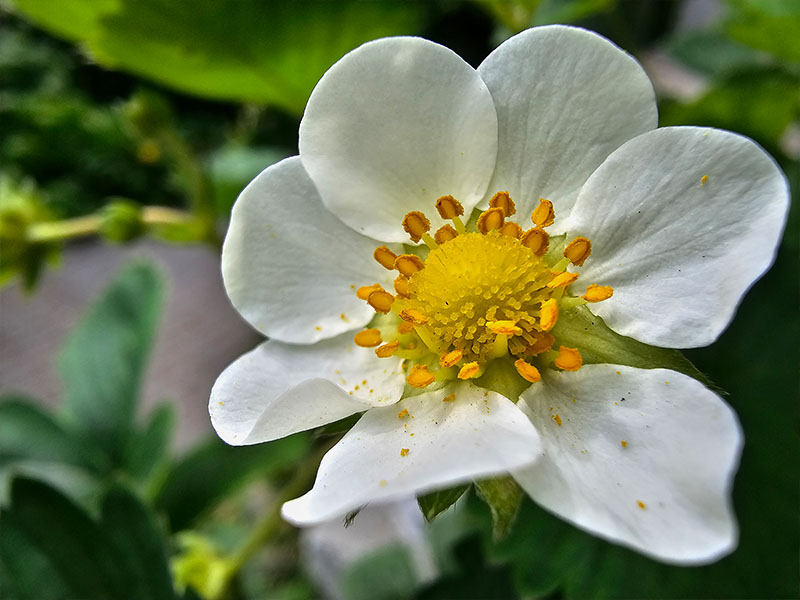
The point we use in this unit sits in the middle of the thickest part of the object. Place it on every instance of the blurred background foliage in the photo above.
(131, 118)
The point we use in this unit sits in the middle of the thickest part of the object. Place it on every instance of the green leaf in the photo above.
(771, 26)
(386, 574)
(435, 503)
(711, 51)
(242, 50)
(503, 496)
(147, 448)
(75, 21)
(214, 470)
(598, 343)
(104, 358)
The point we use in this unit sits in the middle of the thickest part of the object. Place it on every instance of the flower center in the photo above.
(478, 295)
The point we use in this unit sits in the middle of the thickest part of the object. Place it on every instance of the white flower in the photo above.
(681, 221)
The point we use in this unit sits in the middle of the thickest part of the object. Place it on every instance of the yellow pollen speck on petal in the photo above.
(450, 398)
(557, 419)
(385, 257)
(318, 328)
(549, 314)
(381, 301)
(404, 328)
(528, 371)
(451, 358)
(598, 293)
(562, 280)
(641, 504)
(221, 403)
(416, 224)
(382, 483)
(504, 201)
(503, 327)
(543, 215)
(364, 292)
(578, 250)
(623, 443)
(408, 264)
(369, 338)
(402, 286)
(703, 179)
(387, 350)
(511, 229)
(402, 414)
(420, 377)
(537, 239)
(413, 316)
(404, 451)
(469, 370)
(490, 220)
(448, 207)
(569, 359)
(445, 233)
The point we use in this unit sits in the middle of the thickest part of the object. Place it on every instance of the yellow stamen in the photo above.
(369, 338)
(528, 371)
(598, 293)
(385, 257)
(408, 264)
(562, 280)
(469, 370)
(420, 377)
(364, 292)
(578, 250)
(503, 327)
(404, 328)
(543, 343)
(543, 215)
(537, 240)
(412, 315)
(511, 229)
(504, 201)
(387, 350)
(549, 314)
(490, 219)
(451, 358)
(444, 234)
(416, 224)
(449, 207)
(381, 301)
(569, 359)
(402, 286)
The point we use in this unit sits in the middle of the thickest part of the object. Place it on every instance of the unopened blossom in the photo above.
(438, 226)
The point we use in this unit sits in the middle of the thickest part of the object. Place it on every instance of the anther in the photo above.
(369, 338)
(408, 264)
(469, 370)
(451, 358)
(420, 377)
(569, 359)
(385, 257)
(562, 280)
(543, 215)
(387, 350)
(598, 293)
(402, 286)
(404, 328)
(503, 327)
(511, 229)
(549, 314)
(364, 292)
(578, 250)
(381, 301)
(490, 219)
(412, 315)
(504, 201)
(543, 343)
(449, 207)
(537, 240)
(416, 224)
(528, 371)
(444, 234)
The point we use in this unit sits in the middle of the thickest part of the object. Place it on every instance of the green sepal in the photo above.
(503, 496)
(501, 376)
(435, 503)
(598, 343)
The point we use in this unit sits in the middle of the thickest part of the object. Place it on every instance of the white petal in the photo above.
(680, 254)
(290, 267)
(682, 445)
(565, 99)
(480, 433)
(391, 127)
(278, 389)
